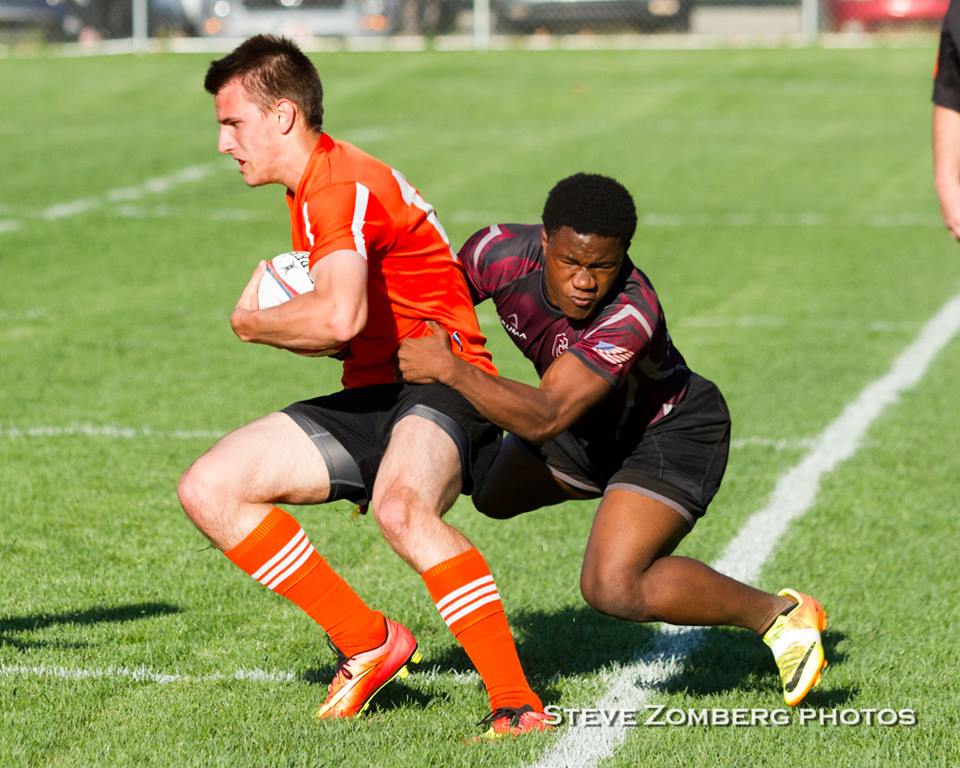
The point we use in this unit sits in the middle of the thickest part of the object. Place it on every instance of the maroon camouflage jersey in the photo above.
(626, 341)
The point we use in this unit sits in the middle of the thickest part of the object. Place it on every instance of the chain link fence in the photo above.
(86, 20)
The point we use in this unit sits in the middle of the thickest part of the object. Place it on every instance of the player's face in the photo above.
(247, 134)
(579, 270)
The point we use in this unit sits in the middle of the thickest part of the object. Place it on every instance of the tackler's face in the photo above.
(248, 134)
(579, 270)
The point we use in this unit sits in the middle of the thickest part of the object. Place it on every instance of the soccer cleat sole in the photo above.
(402, 672)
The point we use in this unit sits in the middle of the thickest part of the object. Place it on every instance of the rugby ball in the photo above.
(287, 275)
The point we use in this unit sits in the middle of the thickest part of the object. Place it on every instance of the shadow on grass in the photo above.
(96, 615)
(570, 641)
(732, 659)
(577, 641)
(395, 695)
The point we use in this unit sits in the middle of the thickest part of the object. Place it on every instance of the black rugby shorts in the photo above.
(351, 429)
(680, 460)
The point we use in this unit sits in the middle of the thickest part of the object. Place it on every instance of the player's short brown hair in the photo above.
(271, 68)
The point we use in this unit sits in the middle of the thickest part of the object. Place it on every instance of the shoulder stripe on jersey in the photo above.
(360, 218)
(493, 232)
(306, 224)
(626, 311)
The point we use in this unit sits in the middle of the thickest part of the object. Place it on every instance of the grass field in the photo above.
(789, 225)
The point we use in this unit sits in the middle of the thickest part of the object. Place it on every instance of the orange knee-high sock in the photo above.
(279, 555)
(467, 598)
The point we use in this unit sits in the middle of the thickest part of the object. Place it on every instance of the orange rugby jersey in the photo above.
(348, 200)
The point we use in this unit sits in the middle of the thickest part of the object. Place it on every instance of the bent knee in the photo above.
(611, 593)
(203, 493)
(397, 514)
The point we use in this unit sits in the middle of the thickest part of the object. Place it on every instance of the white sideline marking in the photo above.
(143, 675)
(158, 185)
(630, 685)
(9, 226)
(129, 211)
(109, 431)
(775, 443)
(118, 432)
(807, 219)
(735, 219)
(777, 321)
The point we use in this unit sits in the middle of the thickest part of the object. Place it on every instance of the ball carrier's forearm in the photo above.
(318, 322)
(305, 323)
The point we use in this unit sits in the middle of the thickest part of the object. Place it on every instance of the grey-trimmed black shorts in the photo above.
(351, 429)
(679, 461)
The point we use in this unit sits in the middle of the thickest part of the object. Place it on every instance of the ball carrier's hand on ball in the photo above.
(318, 322)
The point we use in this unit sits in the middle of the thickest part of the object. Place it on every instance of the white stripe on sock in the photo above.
(451, 596)
(471, 608)
(456, 605)
(279, 556)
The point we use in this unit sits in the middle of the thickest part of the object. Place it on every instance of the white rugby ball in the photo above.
(287, 275)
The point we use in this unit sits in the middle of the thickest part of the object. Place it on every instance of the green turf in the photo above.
(117, 317)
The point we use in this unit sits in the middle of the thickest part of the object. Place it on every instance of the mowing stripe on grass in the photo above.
(630, 686)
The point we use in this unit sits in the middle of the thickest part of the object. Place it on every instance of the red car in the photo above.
(868, 15)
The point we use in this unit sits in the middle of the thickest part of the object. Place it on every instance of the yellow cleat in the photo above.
(797, 647)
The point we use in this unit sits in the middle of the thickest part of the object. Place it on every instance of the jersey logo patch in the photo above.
(560, 344)
(510, 322)
(612, 353)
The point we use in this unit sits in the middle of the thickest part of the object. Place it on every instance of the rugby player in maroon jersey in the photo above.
(617, 416)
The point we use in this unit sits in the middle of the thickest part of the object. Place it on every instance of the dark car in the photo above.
(51, 19)
(114, 18)
(564, 16)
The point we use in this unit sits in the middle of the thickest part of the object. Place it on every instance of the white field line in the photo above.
(735, 219)
(487, 317)
(129, 211)
(154, 186)
(631, 685)
(663, 220)
(109, 431)
(119, 432)
(144, 675)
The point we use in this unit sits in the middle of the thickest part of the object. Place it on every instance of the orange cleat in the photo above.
(514, 721)
(359, 678)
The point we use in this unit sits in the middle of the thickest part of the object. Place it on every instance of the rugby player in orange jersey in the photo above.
(381, 264)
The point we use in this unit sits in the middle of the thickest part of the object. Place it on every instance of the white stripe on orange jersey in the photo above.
(306, 225)
(444, 601)
(360, 218)
(280, 555)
